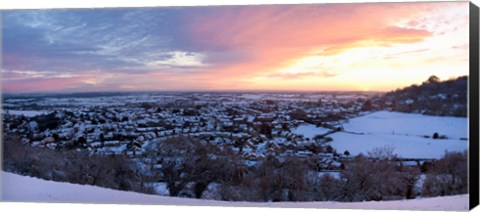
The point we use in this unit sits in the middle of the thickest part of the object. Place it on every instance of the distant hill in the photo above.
(432, 97)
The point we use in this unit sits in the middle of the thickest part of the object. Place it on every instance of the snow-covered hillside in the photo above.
(20, 188)
(405, 132)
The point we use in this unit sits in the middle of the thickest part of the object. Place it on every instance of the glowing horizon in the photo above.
(311, 47)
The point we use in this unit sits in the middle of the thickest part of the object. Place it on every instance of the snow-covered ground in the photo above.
(404, 132)
(159, 188)
(26, 113)
(310, 130)
(385, 122)
(26, 189)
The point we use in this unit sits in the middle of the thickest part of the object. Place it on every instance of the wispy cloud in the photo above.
(179, 59)
(214, 47)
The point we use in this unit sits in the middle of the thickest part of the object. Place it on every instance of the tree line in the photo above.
(79, 167)
(189, 168)
(432, 97)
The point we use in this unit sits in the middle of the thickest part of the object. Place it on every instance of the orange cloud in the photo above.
(275, 36)
(277, 47)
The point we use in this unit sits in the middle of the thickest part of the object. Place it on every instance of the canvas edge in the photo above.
(474, 107)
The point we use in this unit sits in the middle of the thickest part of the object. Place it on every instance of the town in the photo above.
(227, 139)
(253, 125)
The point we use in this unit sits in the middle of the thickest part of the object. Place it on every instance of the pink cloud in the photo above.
(249, 41)
(35, 85)
(44, 84)
(275, 35)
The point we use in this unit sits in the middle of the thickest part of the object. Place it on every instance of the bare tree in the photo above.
(382, 153)
(185, 161)
(269, 187)
(293, 177)
(283, 181)
(327, 189)
(115, 172)
(448, 176)
(366, 179)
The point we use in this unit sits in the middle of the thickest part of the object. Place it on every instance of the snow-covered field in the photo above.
(404, 132)
(26, 189)
(26, 113)
(310, 130)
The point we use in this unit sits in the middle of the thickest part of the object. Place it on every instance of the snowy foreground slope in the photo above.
(403, 131)
(18, 188)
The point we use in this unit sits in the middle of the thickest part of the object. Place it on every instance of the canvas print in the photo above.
(308, 106)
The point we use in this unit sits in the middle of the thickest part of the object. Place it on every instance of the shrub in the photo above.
(447, 176)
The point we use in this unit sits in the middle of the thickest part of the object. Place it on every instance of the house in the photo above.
(249, 144)
(303, 153)
(95, 144)
(325, 155)
(335, 165)
(250, 156)
(239, 120)
(112, 143)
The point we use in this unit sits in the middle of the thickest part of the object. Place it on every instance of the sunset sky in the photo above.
(314, 47)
